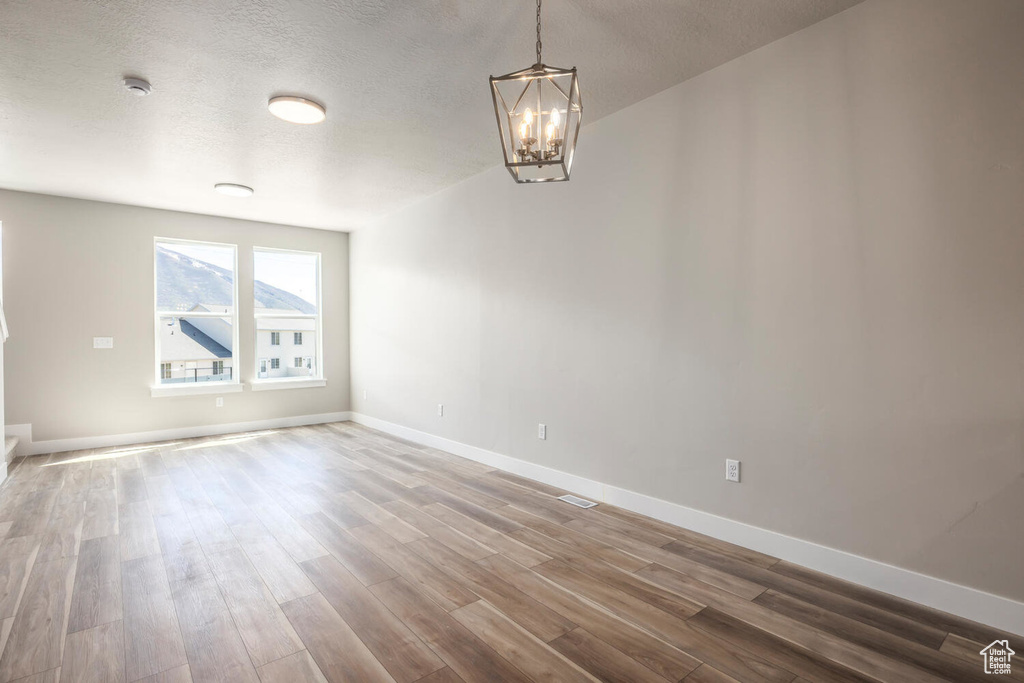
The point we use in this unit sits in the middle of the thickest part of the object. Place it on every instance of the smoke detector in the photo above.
(137, 86)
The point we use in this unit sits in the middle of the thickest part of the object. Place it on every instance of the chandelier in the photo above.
(538, 110)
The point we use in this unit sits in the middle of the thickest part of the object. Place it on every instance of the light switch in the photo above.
(102, 342)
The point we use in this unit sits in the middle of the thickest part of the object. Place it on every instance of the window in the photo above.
(196, 322)
(286, 297)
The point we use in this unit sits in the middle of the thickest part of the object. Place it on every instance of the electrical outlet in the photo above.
(440, 410)
(732, 470)
(542, 431)
(220, 401)
(102, 342)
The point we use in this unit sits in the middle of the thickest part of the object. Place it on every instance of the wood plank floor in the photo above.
(337, 553)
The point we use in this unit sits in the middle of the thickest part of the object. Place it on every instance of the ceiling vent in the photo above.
(577, 501)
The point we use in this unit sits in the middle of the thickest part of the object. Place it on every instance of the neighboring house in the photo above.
(218, 329)
(285, 347)
(188, 354)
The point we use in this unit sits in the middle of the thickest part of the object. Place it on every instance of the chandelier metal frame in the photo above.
(550, 96)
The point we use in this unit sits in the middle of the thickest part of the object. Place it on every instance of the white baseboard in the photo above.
(970, 603)
(26, 446)
(24, 434)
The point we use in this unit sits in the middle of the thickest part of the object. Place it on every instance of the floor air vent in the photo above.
(578, 502)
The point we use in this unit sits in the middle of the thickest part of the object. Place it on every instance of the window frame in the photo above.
(159, 389)
(317, 380)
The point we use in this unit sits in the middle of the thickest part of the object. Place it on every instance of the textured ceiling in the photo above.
(404, 83)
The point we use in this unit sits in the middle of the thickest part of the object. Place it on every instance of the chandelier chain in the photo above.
(538, 32)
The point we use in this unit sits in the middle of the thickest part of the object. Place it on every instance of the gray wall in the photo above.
(76, 269)
(808, 259)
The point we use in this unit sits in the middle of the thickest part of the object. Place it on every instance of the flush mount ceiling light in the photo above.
(538, 111)
(297, 109)
(233, 189)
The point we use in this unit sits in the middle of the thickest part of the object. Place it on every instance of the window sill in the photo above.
(273, 384)
(168, 391)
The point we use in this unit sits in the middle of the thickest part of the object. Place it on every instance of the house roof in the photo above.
(181, 340)
(213, 308)
(263, 310)
(286, 324)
